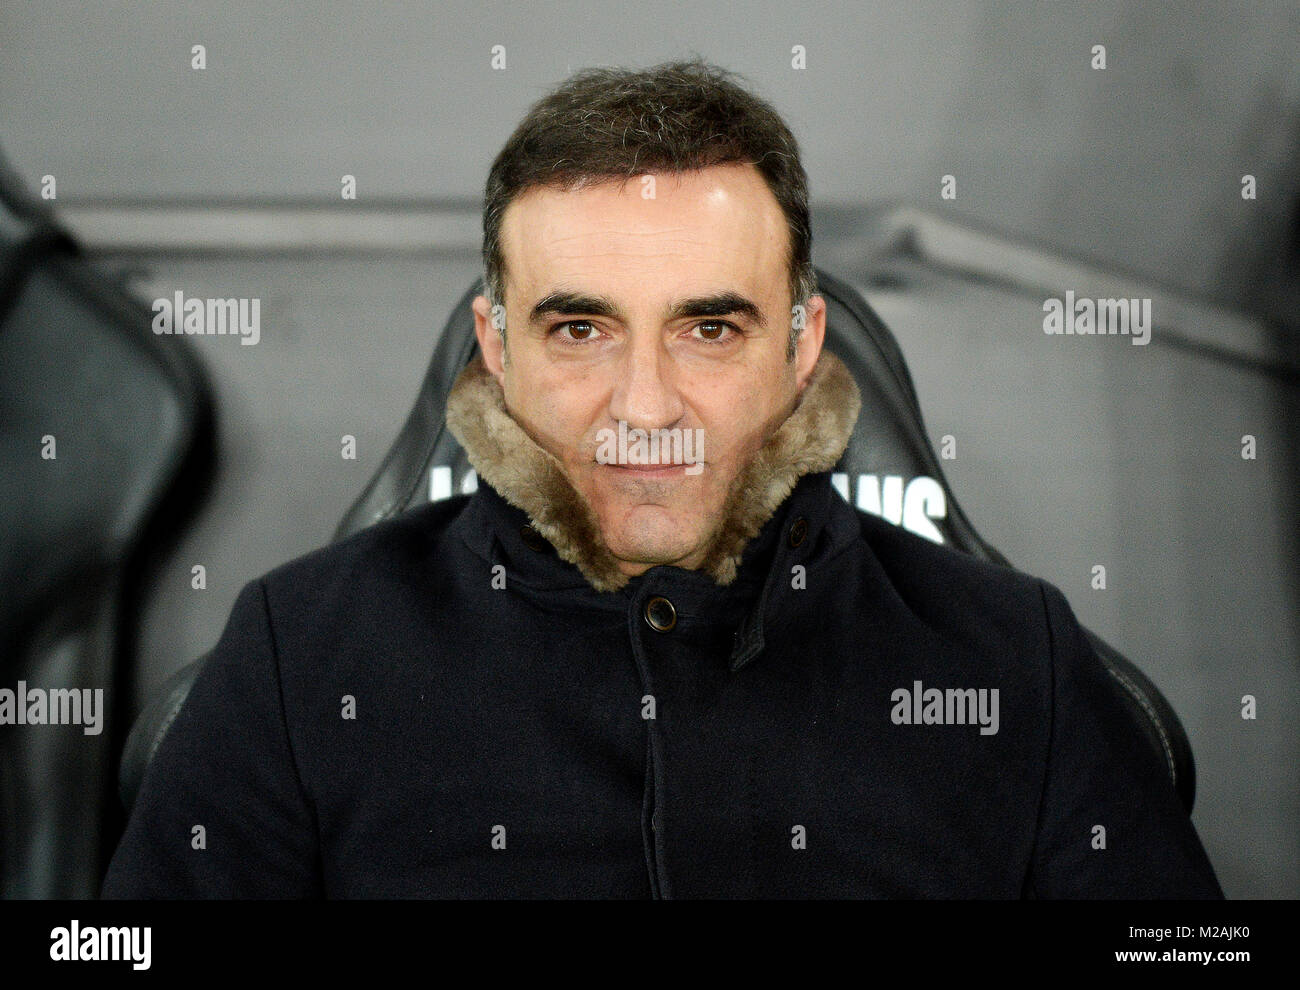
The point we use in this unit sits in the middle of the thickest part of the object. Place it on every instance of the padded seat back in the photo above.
(105, 446)
(888, 468)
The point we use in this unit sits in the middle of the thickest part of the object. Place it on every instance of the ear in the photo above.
(809, 346)
(490, 340)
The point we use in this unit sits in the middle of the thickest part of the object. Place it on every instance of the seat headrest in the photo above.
(889, 467)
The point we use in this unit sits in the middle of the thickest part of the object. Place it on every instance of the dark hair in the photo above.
(606, 123)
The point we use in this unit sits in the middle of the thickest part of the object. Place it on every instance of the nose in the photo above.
(645, 395)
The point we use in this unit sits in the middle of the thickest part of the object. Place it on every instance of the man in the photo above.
(655, 654)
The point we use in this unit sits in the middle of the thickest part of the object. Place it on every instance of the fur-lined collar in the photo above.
(811, 439)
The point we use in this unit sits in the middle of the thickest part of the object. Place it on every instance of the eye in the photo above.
(579, 331)
(715, 332)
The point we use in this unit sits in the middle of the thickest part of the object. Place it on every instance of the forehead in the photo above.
(720, 224)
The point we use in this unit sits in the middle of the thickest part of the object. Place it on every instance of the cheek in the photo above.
(735, 428)
(560, 414)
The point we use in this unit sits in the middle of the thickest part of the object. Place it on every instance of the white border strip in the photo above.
(958, 247)
(162, 229)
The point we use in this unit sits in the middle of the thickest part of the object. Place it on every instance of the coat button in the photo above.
(799, 531)
(533, 540)
(660, 614)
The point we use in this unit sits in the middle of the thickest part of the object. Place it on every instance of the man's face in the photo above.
(669, 313)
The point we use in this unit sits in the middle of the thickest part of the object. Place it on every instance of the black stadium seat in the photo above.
(106, 449)
(889, 468)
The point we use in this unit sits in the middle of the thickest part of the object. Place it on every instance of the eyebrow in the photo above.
(719, 304)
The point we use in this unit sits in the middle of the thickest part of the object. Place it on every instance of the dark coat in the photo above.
(382, 718)
(523, 708)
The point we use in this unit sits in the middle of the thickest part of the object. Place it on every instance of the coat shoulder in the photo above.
(399, 549)
(903, 552)
(955, 593)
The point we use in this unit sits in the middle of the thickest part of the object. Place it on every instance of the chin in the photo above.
(647, 555)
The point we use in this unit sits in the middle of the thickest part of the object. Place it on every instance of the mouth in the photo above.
(654, 470)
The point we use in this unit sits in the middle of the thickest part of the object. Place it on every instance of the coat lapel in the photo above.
(812, 438)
